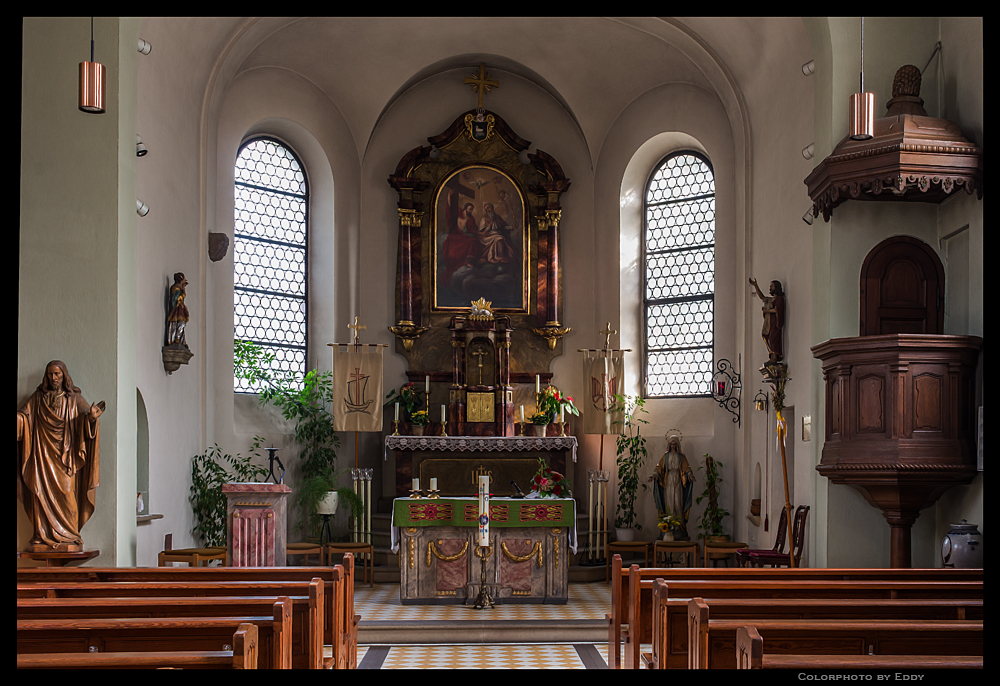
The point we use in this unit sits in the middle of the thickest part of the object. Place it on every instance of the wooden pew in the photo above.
(631, 594)
(750, 655)
(669, 618)
(242, 656)
(340, 629)
(158, 634)
(306, 631)
(305, 654)
(712, 642)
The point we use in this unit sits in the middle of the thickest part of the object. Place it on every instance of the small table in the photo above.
(718, 548)
(690, 548)
(626, 547)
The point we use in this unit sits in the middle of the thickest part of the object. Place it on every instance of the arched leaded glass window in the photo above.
(269, 254)
(679, 277)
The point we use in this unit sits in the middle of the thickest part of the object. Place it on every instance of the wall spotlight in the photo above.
(809, 151)
(141, 208)
(809, 68)
(140, 147)
(144, 47)
(808, 217)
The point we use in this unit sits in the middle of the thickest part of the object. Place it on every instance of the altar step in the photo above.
(475, 631)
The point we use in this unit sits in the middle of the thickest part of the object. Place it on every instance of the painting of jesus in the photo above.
(480, 242)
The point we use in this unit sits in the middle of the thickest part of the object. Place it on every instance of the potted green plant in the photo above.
(320, 495)
(553, 401)
(631, 455)
(711, 518)
(419, 420)
(540, 422)
(407, 397)
(209, 472)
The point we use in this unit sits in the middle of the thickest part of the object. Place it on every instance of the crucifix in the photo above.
(480, 353)
(482, 83)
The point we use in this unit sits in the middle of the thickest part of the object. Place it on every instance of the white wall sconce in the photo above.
(140, 147)
(808, 216)
(809, 151)
(809, 68)
(141, 208)
(144, 47)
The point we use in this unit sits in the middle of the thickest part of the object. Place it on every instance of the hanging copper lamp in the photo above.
(92, 81)
(861, 115)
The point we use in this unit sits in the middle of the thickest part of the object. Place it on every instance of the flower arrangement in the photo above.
(668, 522)
(408, 396)
(540, 419)
(551, 400)
(550, 483)
(420, 418)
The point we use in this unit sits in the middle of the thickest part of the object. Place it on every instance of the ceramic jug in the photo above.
(962, 546)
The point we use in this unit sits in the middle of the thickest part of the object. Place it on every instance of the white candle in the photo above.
(397, 412)
(538, 383)
(522, 414)
(427, 384)
(560, 415)
(434, 483)
(416, 484)
(483, 534)
(443, 415)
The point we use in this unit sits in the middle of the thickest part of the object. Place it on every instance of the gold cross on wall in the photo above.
(357, 330)
(482, 83)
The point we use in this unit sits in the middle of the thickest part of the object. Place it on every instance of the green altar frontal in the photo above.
(527, 561)
(558, 512)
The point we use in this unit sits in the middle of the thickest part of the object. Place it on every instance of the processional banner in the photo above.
(604, 377)
(357, 388)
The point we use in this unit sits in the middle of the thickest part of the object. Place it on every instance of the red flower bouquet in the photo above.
(550, 483)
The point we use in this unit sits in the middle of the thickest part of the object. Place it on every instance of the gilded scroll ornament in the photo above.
(537, 548)
(432, 550)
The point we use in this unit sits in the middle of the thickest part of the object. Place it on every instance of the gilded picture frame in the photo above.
(480, 246)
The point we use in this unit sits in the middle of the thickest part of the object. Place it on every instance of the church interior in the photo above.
(459, 183)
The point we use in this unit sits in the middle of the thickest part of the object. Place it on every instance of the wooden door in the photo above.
(902, 289)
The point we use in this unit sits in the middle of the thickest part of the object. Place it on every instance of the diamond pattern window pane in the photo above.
(272, 216)
(685, 372)
(269, 255)
(681, 224)
(679, 288)
(679, 325)
(269, 267)
(680, 274)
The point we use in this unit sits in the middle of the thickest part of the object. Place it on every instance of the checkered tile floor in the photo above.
(586, 601)
(525, 656)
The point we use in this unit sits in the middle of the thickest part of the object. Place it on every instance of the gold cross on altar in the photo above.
(481, 83)
(357, 330)
(480, 353)
(607, 334)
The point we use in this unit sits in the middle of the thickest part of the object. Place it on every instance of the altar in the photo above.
(457, 461)
(531, 540)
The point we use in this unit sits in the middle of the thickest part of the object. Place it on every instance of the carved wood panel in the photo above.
(928, 402)
(870, 404)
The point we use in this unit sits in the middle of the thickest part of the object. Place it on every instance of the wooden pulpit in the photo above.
(900, 421)
(256, 515)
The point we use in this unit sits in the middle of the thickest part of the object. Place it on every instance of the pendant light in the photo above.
(862, 106)
(92, 81)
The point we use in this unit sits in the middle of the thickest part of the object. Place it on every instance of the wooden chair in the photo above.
(306, 549)
(773, 558)
(743, 555)
(356, 548)
(193, 556)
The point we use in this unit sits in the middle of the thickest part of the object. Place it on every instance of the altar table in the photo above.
(531, 540)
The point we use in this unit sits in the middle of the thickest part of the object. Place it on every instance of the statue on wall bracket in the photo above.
(176, 351)
(478, 224)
